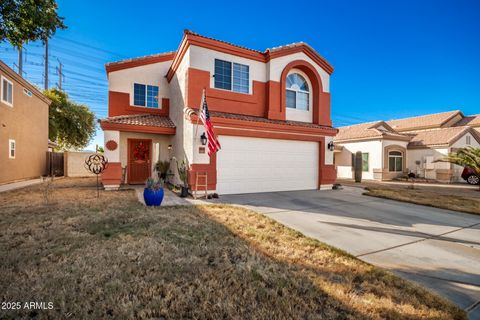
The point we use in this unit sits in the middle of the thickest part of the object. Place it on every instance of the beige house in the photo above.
(412, 145)
(23, 128)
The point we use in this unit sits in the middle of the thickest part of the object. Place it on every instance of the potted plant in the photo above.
(162, 169)
(153, 192)
(183, 175)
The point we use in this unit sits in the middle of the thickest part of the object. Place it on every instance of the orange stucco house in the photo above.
(270, 110)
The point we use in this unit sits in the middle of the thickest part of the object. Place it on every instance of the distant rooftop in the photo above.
(426, 121)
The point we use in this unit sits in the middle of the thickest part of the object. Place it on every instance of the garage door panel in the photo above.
(246, 165)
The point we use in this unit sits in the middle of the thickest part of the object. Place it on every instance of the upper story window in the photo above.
(231, 76)
(145, 95)
(298, 93)
(7, 92)
(468, 140)
(11, 149)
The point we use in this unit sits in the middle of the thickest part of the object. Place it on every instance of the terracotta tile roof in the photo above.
(430, 120)
(148, 57)
(148, 120)
(473, 121)
(225, 115)
(186, 31)
(113, 66)
(288, 46)
(437, 137)
(370, 130)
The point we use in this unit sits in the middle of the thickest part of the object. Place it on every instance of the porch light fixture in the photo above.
(169, 147)
(203, 139)
(330, 146)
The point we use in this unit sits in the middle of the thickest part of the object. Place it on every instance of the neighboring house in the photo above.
(23, 128)
(470, 121)
(398, 147)
(270, 110)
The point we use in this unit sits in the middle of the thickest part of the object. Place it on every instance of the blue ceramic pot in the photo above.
(152, 197)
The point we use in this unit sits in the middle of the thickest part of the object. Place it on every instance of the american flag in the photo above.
(213, 144)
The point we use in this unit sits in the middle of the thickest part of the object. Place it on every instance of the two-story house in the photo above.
(23, 128)
(270, 111)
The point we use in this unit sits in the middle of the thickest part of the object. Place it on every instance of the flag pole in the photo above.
(198, 114)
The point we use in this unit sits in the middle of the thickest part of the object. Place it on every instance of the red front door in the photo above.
(139, 155)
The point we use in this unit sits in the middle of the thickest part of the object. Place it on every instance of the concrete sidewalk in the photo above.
(19, 184)
(433, 185)
(439, 249)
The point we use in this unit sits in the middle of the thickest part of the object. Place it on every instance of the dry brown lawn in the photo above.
(468, 204)
(114, 258)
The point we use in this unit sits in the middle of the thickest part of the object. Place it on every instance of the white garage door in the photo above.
(247, 165)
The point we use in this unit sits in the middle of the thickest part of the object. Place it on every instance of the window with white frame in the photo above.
(11, 149)
(145, 95)
(365, 162)
(298, 93)
(27, 92)
(468, 140)
(7, 91)
(232, 76)
(395, 161)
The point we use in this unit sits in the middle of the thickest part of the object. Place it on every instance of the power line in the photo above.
(77, 54)
(90, 46)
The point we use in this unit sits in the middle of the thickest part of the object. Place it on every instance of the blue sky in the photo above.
(391, 58)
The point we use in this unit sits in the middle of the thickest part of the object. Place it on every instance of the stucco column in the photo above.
(112, 176)
(328, 173)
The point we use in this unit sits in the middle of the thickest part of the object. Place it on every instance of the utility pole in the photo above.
(60, 74)
(20, 61)
(46, 65)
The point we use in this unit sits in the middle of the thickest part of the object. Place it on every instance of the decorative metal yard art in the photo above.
(96, 164)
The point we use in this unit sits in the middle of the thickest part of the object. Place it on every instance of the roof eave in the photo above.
(10, 72)
(105, 125)
(192, 38)
(137, 62)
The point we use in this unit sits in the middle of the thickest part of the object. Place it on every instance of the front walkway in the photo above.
(439, 249)
(19, 184)
(169, 198)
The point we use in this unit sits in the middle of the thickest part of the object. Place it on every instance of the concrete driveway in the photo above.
(439, 249)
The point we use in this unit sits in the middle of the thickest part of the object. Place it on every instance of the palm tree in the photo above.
(465, 157)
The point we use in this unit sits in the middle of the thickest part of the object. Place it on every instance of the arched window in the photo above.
(395, 161)
(298, 93)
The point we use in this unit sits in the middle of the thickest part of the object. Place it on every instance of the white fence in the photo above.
(74, 164)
